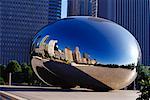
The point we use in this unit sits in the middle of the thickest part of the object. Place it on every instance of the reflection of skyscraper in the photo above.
(84, 60)
(79, 7)
(85, 55)
(77, 55)
(68, 54)
(42, 42)
(59, 54)
(132, 15)
(51, 46)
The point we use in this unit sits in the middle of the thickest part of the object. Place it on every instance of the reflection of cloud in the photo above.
(134, 53)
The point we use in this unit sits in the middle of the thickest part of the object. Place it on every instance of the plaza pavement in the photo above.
(55, 93)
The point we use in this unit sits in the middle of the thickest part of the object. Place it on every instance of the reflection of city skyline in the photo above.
(69, 55)
(49, 49)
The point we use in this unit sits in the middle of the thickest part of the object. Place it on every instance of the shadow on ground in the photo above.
(43, 89)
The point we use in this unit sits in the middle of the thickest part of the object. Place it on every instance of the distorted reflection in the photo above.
(92, 45)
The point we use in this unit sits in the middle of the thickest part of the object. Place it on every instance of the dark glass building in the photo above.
(54, 10)
(132, 15)
(19, 21)
(79, 8)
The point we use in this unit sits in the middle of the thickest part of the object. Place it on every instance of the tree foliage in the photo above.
(27, 72)
(13, 66)
(3, 72)
(144, 82)
(1, 81)
(21, 74)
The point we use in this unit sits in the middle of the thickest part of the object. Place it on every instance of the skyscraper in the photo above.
(79, 7)
(54, 10)
(132, 15)
(19, 21)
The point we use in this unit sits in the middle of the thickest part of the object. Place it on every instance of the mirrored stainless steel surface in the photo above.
(86, 51)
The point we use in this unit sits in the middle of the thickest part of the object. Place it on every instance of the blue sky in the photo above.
(64, 9)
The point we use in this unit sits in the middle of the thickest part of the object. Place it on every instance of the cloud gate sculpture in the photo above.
(88, 52)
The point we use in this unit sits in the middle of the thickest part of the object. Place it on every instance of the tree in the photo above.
(2, 68)
(2, 81)
(27, 72)
(2, 71)
(144, 82)
(13, 67)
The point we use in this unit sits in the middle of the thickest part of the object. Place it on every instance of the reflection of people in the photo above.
(51, 47)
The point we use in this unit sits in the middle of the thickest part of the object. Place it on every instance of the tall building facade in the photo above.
(19, 21)
(94, 8)
(54, 10)
(132, 15)
(79, 8)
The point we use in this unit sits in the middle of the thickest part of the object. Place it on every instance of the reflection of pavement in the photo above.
(116, 78)
(74, 94)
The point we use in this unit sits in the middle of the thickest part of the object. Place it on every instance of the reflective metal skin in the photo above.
(85, 51)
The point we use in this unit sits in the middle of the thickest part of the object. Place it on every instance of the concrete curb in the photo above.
(9, 96)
